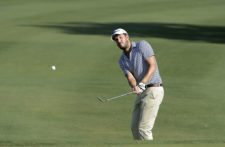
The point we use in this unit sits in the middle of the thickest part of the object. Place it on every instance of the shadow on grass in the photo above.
(211, 34)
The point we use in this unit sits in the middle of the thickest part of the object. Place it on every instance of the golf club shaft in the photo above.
(115, 97)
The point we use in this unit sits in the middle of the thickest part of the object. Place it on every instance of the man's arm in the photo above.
(133, 83)
(131, 80)
(151, 61)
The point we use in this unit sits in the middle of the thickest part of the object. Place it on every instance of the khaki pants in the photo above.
(145, 111)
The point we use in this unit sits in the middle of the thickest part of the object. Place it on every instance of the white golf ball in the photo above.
(53, 67)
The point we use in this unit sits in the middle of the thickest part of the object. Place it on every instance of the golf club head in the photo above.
(101, 99)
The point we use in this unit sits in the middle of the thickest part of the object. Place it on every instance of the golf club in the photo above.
(101, 99)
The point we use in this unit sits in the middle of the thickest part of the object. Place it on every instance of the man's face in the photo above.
(122, 41)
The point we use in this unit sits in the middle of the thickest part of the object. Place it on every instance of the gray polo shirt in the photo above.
(136, 63)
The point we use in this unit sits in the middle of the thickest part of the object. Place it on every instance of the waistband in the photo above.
(153, 85)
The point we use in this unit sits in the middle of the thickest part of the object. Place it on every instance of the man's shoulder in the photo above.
(142, 46)
(139, 44)
(143, 43)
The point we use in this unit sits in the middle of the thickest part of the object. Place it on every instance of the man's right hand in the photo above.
(137, 90)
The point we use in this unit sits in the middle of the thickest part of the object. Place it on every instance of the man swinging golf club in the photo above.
(138, 63)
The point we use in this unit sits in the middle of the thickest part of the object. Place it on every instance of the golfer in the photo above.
(138, 63)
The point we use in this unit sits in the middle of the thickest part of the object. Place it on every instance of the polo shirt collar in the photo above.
(133, 45)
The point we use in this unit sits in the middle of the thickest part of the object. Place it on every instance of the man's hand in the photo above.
(139, 88)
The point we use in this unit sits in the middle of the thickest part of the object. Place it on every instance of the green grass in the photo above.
(41, 107)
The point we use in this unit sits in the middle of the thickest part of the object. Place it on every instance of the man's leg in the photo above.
(135, 119)
(148, 111)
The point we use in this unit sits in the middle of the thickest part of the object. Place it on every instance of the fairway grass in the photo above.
(42, 107)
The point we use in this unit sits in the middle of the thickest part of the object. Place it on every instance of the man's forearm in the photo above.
(131, 80)
(151, 70)
(148, 75)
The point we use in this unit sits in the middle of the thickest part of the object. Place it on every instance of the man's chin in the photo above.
(122, 47)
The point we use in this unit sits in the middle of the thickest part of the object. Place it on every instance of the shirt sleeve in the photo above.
(146, 49)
